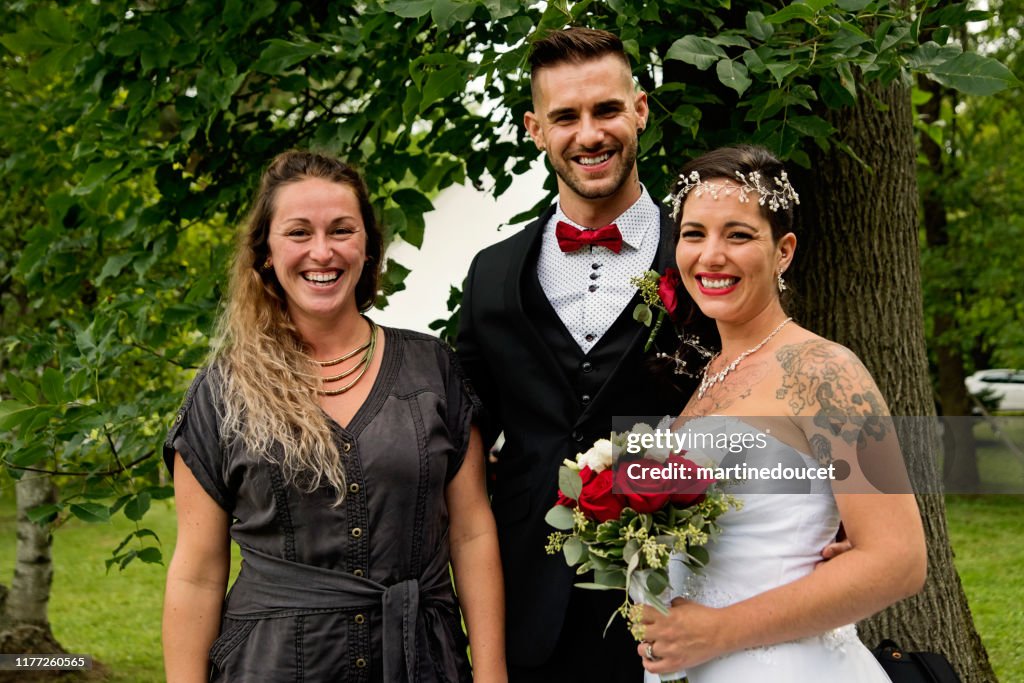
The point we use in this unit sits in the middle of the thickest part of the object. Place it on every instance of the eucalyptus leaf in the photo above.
(642, 313)
(560, 517)
(569, 482)
(574, 551)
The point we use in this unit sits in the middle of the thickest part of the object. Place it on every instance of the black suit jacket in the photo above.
(528, 392)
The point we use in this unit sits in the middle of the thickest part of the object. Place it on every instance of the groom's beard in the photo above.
(595, 188)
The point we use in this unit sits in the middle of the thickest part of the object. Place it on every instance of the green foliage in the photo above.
(972, 276)
(133, 136)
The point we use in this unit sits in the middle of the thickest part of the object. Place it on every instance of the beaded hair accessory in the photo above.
(743, 184)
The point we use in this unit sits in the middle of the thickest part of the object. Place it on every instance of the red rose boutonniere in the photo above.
(659, 292)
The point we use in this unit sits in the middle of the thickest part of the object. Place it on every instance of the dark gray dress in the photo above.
(360, 592)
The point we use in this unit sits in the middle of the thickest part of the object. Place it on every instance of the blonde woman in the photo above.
(339, 455)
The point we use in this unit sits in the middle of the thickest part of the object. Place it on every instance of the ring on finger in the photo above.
(649, 652)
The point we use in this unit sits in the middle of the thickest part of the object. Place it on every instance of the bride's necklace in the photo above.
(707, 381)
(362, 365)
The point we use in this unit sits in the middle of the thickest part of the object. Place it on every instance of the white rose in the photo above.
(659, 454)
(642, 428)
(599, 457)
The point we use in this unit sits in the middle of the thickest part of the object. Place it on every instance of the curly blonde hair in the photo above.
(269, 380)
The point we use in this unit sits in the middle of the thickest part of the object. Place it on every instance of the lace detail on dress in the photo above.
(697, 588)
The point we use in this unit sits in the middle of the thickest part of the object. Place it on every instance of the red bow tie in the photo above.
(571, 238)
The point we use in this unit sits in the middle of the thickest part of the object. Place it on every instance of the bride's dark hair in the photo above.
(724, 163)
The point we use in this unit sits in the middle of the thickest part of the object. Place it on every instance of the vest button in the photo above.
(357, 532)
(589, 337)
(585, 399)
(587, 366)
(577, 436)
(360, 663)
(357, 572)
(360, 619)
(353, 487)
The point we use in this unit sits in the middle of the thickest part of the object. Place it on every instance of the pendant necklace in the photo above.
(708, 381)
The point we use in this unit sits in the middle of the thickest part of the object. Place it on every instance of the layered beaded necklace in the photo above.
(361, 366)
(707, 381)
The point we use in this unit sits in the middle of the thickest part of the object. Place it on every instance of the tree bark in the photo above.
(858, 262)
(25, 622)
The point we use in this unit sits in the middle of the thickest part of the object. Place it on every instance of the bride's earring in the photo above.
(780, 282)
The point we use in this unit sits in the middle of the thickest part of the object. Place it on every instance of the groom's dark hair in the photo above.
(574, 45)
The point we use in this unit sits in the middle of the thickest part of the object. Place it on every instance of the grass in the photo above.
(115, 616)
(989, 554)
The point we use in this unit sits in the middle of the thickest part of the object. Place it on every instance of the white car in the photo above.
(1005, 385)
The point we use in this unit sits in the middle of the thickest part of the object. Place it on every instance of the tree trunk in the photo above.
(859, 265)
(26, 625)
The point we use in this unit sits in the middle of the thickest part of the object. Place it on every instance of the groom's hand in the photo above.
(835, 549)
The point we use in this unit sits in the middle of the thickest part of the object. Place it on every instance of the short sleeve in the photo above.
(196, 435)
(463, 409)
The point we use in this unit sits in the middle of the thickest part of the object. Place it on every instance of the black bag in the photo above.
(914, 667)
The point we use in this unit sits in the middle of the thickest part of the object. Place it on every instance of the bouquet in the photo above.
(624, 525)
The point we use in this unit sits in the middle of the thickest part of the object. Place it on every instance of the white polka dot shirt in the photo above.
(589, 287)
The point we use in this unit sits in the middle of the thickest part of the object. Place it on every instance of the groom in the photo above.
(548, 340)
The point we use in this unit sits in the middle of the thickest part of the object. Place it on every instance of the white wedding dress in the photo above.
(774, 539)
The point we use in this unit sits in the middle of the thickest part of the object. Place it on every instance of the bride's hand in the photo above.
(688, 635)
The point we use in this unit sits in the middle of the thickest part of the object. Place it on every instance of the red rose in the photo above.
(686, 492)
(597, 500)
(668, 284)
(643, 492)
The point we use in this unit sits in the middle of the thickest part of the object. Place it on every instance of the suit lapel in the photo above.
(524, 259)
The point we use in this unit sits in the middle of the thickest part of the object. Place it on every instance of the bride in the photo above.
(764, 608)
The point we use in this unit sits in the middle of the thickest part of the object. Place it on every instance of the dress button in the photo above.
(592, 288)
(589, 337)
(585, 399)
(360, 663)
(357, 532)
(587, 366)
(360, 619)
(346, 446)
(357, 572)
(577, 436)
(353, 487)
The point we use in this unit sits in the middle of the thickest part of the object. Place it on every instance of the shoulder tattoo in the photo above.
(828, 382)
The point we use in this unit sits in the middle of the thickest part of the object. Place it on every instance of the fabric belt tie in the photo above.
(271, 587)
